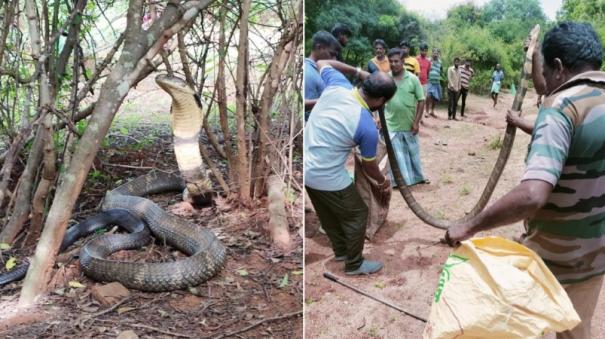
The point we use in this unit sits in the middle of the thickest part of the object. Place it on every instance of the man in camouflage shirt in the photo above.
(562, 192)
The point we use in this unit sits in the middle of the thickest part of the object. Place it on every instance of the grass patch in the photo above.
(381, 285)
(495, 143)
(465, 190)
(373, 332)
(440, 215)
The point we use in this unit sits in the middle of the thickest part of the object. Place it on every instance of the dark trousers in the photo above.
(463, 93)
(452, 103)
(343, 215)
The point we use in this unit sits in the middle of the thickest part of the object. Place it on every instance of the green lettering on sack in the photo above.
(444, 277)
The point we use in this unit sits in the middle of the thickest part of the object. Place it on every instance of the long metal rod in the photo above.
(335, 279)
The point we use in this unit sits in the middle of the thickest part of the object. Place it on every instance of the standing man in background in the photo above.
(325, 47)
(403, 114)
(342, 33)
(425, 67)
(409, 62)
(466, 74)
(497, 78)
(434, 88)
(380, 61)
(453, 88)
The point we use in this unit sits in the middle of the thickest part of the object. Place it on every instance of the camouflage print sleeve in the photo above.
(549, 146)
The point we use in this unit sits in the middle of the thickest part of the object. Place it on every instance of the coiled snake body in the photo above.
(206, 254)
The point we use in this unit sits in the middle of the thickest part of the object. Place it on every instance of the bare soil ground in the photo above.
(457, 156)
(257, 295)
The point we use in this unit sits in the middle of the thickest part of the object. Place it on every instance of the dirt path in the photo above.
(457, 156)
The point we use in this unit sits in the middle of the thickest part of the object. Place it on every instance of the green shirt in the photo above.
(400, 111)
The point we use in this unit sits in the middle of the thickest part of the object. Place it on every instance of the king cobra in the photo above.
(505, 150)
(206, 253)
(126, 207)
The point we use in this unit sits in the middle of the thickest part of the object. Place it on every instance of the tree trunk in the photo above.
(278, 221)
(16, 146)
(139, 49)
(271, 84)
(241, 86)
(21, 211)
(222, 98)
(8, 20)
(23, 193)
(49, 168)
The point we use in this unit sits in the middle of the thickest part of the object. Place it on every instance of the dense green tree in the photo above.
(487, 35)
(368, 20)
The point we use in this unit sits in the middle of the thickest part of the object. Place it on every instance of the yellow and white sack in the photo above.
(496, 288)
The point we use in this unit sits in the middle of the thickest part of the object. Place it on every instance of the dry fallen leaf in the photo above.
(76, 284)
(10, 263)
(125, 309)
(284, 281)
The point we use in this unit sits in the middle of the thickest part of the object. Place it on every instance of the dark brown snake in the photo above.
(206, 254)
(505, 150)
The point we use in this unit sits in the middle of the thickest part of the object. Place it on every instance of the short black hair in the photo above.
(394, 51)
(379, 42)
(577, 45)
(424, 46)
(456, 58)
(379, 85)
(325, 39)
(404, 43)
(341, 29)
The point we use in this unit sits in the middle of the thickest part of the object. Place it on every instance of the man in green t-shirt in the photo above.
(403, 114)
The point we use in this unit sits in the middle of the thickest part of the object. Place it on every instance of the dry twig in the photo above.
(260, 322)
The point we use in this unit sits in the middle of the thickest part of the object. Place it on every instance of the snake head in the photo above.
(199, 200)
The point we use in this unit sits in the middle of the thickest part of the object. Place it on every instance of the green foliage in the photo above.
(486, 35)
(368, 20)
(97, 176)
(489, 35)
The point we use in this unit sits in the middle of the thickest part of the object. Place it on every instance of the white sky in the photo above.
(437, 9)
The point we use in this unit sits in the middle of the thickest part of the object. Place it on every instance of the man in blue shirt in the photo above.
(340, 121)
(325, 47)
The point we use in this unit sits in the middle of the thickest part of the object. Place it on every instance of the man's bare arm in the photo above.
(514, 119)
(344, 68)
(520, 203)
(418, 118)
